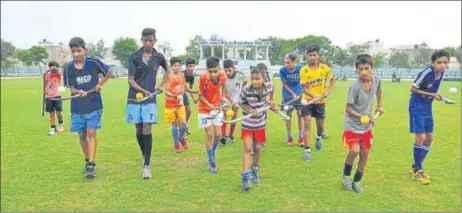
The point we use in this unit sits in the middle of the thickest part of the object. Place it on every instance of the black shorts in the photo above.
(314, 110)
(185, 99)
(297, 103)
(53, 105)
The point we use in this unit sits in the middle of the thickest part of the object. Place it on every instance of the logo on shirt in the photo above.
(83, 79)
(429, 86)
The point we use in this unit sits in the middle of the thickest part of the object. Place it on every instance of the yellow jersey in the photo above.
(316, 80)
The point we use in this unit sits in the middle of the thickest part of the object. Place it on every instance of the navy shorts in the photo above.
(420, 118)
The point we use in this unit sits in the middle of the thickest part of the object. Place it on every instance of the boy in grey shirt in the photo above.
(357, 136)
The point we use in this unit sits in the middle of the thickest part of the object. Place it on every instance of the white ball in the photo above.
(304, 102)
(61, 89)
(214, 113)
(285, 108)
(453, 90)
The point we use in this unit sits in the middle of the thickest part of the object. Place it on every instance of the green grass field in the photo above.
(42, 173)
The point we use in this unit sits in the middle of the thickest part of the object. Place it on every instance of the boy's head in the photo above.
(175, 63)
(148, 38)
(312, 54)
(289, 61)
(190, 64)
(440, 60)
(228, 67)
(213, 65)
(364, 65)
(78, 50)
(53, 66)
(263, 67)
(256, 77)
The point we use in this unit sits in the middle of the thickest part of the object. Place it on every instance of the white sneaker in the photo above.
(60, 127)
(52, 132)
(147, 172)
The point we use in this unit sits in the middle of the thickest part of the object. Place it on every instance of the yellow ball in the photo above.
(365, 119)
(229, 113)
(139, 96)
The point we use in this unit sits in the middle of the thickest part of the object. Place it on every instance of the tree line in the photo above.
(331, 54)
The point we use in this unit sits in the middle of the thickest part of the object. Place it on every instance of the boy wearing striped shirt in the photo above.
(254, 97)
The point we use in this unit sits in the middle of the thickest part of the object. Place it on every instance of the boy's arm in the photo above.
(330, 75)
(165, 89)
(163, 64)
(379, 99)
(243, 103)
(107, 73)
(284, 83)
(131, 77)
(306, 90)
(190, 90)
(352, 95)
(419, 82)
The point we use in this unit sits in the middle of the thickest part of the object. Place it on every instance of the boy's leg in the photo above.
(233, 125)
(246, 136)
(206, 124)
(290, 139)
(181, 121)
(187, 109)
(352, 141)
(139, 138)
(53, 129)
(217, 137)
(83, 139)
(133, 115)
(176, 137)
(301, 124)
(78, 125)
(307, 137)
(59, 108)
(319, 113)
(259, 137)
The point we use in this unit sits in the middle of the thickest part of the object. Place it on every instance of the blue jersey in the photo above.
(426, 82)
(85, 79)
(292, 79)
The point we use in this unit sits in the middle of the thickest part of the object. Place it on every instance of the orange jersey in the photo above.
(175, 85)
(210, 91)
(52, 82)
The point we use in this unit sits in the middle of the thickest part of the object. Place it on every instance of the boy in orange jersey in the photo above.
(52, 79)
(175, 112)
(212, 89)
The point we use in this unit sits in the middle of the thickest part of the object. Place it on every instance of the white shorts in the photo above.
(205, 123)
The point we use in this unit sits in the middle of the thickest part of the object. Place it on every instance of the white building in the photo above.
(56, 52)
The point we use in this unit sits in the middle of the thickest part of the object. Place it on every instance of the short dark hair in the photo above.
(440, 53)
(212, 61)
(76, 42)
(174, 60)
(228, 64)
(364, 59)
(190, 61)
(290, 56)
(53, 64)
(256, 70)
(262, 66)
(313, 48)
(148, 32)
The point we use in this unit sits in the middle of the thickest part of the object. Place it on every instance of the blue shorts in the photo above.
(141, 113)
(420, 118)
(82, 122)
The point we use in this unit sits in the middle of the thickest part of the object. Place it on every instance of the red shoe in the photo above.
(177, 148)
(184, 143)
(301, 142)
(290, 141)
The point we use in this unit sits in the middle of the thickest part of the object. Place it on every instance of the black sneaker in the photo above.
(90, 171)
(223, 140)
(187, 131)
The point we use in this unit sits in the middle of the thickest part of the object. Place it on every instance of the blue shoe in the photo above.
(254, 172)
(213, 168)
(246, 176)
(318, 143)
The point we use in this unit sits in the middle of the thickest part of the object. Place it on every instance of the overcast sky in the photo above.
(395, 23)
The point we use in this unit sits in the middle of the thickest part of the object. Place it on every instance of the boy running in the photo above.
(52, 79)
(357, 136)
(212, 89)
(81, 75)
(292, 90)
(142, 72)
(252, 98)
(189, 78)
(313, 78)
(234, 83)
(424, 90)
(175, 113)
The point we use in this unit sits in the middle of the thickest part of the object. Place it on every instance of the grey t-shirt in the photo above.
(362, 102)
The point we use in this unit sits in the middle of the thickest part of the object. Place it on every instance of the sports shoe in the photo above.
(90, 171)
(177, 148)
(147, 172)
(60, 127)
(231, 139)
(246, 176)
(254, 173)
(301, 142)
(346, 182)
(324, 135)
(411, 170)
(356, 186)
(223, 140)
(184, 143)
(290, 141)
(213, 168)
(419, 177)
(318, 143)
(52, 132)
(307, 155)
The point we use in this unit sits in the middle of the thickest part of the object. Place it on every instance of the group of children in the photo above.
(301, 85)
